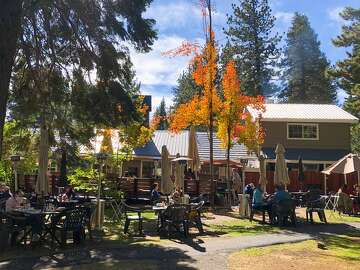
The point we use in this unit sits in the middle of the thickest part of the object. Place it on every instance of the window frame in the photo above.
(303, 124)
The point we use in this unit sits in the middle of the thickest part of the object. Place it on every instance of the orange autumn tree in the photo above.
(234, 122)
(202, 108)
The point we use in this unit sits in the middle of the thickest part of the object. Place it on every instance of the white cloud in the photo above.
(154, 68)
(284, 17)
(334, 15)
(174, 15)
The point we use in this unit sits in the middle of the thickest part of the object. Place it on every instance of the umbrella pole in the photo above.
(345, 179)
(358, 178)
(325, 188)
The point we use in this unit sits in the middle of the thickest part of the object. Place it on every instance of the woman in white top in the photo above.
(15, 201)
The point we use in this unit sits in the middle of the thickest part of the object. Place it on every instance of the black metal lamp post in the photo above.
(101, 158)
(15, 159)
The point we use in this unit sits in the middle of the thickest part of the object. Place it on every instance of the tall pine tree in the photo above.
(186, 87)
(347, 71)
(160, 112)
(253, 45)
(305, 66)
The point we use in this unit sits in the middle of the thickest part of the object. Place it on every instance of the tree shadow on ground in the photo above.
(152, 256)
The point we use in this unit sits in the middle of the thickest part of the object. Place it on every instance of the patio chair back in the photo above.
(285, 209)
(177, 213)
(75, 218)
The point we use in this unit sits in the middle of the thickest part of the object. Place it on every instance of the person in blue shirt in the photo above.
(259, 202)
(281, 194)
(155, 194)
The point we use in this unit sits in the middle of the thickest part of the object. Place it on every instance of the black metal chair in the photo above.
(176, 216)
(314, 203)
(282, 211)
(17, 225)
(255, 210)
(132, 214)
(70, 220)
(194, 217)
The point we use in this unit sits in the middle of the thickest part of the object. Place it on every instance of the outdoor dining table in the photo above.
(159, 210)
(40, 218)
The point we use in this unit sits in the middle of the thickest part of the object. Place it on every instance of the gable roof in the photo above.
(320, 113)
(175, 142)
(236, 152)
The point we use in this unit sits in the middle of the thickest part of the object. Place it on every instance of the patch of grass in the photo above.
(344, 246)
(261, 251)
(238, 227)
(334, 217)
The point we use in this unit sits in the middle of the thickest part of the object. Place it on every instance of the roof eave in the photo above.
(306, 120)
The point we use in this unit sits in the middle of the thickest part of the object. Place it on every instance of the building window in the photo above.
(311, 167)
(148, 169)
(303, 131)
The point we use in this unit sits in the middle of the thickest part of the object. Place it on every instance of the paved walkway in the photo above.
(205, 253)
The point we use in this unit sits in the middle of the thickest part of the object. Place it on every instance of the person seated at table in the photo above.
(281, 193)
(15, 201)
(68, 195)
(155, 195)
(259, 201)
(249, 189)
(177, 194)
(345, 202)
(189, 174)
(4, 192)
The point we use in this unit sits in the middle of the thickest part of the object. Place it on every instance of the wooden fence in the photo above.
(138, 187)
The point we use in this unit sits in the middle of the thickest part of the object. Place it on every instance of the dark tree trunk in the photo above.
(10, 29)
(228, 159)
(63, 168)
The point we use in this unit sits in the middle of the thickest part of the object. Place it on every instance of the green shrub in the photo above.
(5, 172)
(84, 179)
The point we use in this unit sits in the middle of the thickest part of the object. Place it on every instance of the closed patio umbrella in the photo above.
(179, 173)
(262, 172)
(281, 176)
(348, 164)
(193, 153)
(167, 186)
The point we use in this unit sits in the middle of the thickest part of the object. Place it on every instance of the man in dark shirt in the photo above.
(155, 194)
(249, 189)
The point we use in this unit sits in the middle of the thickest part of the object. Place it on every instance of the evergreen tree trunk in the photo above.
(10, 29)
(42, 184)
(63, 168)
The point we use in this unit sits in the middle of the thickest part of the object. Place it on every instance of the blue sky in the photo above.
(179, 20)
